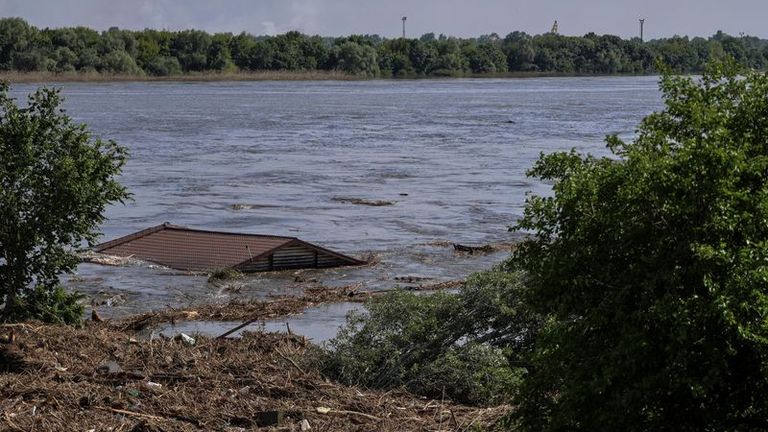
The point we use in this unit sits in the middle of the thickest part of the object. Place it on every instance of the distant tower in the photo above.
(554, 28)
(404, 18)
(642, 22)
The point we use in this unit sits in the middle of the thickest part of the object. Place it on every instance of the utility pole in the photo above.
(642, 22)
(404, 18)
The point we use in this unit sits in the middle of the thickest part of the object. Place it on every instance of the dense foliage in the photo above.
(160, 53)
(652, 268)
(443, 345)
(637, 302)
(55, 182)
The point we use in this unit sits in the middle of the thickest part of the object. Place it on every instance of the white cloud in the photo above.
(268, 28)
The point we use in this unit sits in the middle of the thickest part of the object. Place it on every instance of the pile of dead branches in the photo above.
(101, 378)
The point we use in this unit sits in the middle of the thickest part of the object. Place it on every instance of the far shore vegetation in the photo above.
(30, 54)
(235, 75)
(15, 77)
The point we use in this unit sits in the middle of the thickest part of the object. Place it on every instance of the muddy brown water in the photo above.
(274, 158)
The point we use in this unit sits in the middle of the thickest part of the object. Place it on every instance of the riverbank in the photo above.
(103, 378)
(317, 75)
(94, 77)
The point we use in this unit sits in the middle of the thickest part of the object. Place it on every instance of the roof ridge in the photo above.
(169, 226)
(130, 237)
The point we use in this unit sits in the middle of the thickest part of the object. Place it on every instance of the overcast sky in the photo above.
(664, 18)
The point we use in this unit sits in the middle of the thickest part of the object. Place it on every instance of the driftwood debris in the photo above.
(473, 249)
(213, 385)
(363, 201)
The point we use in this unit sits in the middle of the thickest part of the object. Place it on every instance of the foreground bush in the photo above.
(653, 268)
(55, 183)
(440, 345)
(51, 305)
(640, 300)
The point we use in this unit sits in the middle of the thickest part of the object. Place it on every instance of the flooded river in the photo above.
(275, 157)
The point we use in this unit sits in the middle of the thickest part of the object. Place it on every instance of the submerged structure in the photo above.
(187, 249)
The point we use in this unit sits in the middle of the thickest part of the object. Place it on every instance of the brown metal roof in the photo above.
(200, 250)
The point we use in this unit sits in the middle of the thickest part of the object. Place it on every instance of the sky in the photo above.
(464, 18)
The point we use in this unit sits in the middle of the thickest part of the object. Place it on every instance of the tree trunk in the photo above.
(10, 299)
(10, 289)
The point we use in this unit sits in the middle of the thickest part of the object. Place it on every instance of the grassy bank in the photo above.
(48, 77)
(45, 77)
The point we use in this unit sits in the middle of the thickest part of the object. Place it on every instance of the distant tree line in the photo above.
(25, 48)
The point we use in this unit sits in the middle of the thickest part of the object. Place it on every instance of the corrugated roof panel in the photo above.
(197, 250)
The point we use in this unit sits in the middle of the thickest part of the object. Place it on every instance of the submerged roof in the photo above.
(189, 249)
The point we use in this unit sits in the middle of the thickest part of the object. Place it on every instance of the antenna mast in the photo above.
(554, 27)
(642, 22)
(404, 18)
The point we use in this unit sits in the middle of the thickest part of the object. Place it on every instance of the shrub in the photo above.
(55, 182)
(651, 266)
(223, 274)
(54, 305)
(466, 346)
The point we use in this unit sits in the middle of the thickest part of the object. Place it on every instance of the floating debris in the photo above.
(109, 301)
(187, 339)
(472, 249)
(412, 279)
(110, 260)
(243, 206)
(224, 274)
(240, 310)
(363, 201)
(489, 248)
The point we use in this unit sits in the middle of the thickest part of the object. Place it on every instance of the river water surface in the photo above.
(274, 157)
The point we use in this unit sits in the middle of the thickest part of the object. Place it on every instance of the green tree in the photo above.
(485, 57)
(356, 59)
(449, 59)
(219, 55)
(651, 268)
(520, 51)
(423, 56)
(191, 48)
(427, 37)
(16, 36)
(314, 53)
(395, 57)
(147, 50)
(163, 66)
(55, 182)
(242, 48)
(262, 55)
(118, 61)
(287, 52)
